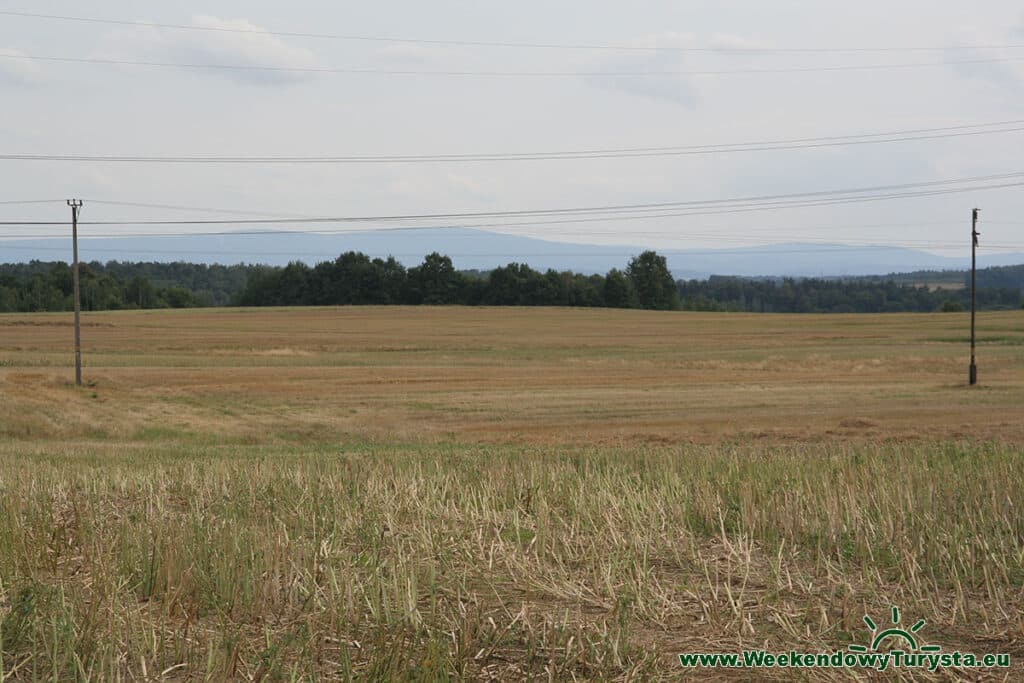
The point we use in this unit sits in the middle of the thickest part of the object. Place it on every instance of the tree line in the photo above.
(42, 286)
(811, 295)
(646, 282)
(357, 279)
(993, 277)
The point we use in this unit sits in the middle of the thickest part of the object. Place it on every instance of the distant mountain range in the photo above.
(482, 250)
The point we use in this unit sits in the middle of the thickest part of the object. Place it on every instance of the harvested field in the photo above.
(538, 376)
(456, 493)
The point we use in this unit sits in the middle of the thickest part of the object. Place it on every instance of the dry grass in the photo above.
(434, 494)
(539, 376)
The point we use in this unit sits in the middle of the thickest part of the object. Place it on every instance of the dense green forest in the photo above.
(1008, 277)
(354, 278)
(645, 283)
(834, 296)
(40, 286)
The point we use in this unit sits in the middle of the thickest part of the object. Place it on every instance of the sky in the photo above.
(74, 108)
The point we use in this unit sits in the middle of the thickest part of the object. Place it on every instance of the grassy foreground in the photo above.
(370, 502)
(390, 563)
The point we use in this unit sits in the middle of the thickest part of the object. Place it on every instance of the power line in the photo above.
(624, 212)
(692, 207)
(31, 201)
(178, 207)
(720, 148)
(757, 199)
(504, 74)
(601, 218)
(506, 44)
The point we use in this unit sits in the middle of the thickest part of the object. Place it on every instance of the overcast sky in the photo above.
(51, 107)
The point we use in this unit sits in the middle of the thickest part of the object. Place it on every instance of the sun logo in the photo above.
(894, 632)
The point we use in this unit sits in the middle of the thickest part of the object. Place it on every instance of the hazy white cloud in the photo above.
(730, 41)
(1003, 74)
(19, 71)
(678, 89)
(235, 42)
(405, 54)
(470, 186)
(424, 190)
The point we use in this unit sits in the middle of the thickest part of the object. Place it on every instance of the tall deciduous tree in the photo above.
(619, 291)
(435, 281)
(652, 280)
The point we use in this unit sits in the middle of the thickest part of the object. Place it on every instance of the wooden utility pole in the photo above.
(76, 205)
(973, 378)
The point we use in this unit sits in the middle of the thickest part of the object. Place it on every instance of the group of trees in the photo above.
(999, 277)
(355, 278)
(49, 287)
(214, 285)
(993, 277)
(833, 296)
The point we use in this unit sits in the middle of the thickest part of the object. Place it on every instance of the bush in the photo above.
(950, 306)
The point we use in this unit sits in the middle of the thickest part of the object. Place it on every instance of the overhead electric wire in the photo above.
(178, 207)
(692, 207)
(503, 74)
(32, 201)
(859, 226)
(603, 218)
(503, 44)
(678, 150)
(577, 215)
(756, 199)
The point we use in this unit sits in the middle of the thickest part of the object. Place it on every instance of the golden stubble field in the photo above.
(542, 376)
(502, 494)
